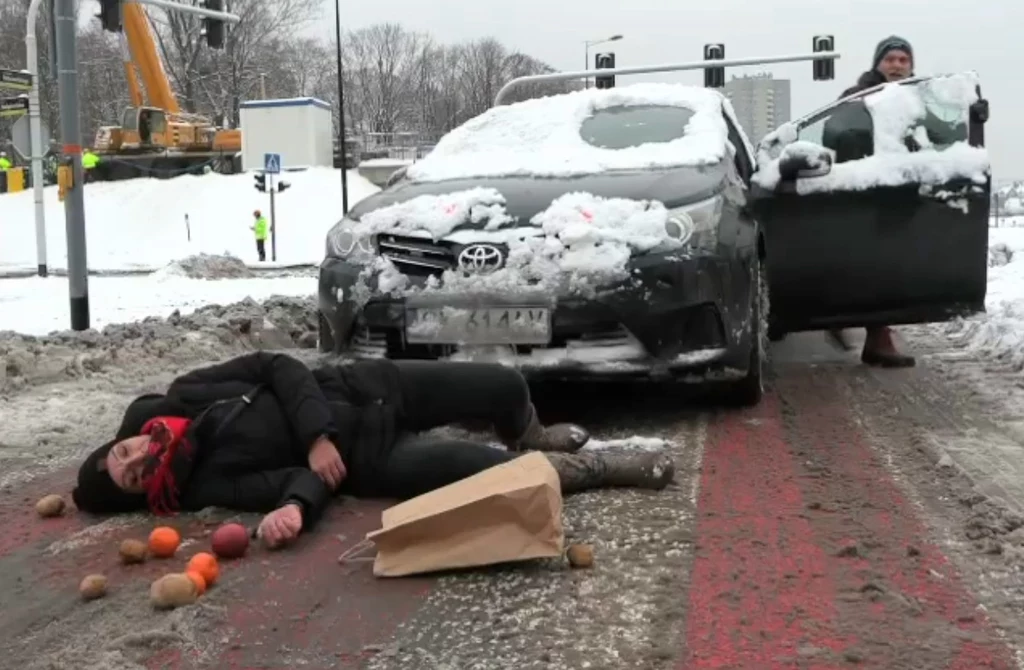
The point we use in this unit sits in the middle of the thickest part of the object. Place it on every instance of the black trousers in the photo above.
(261, 249)
(436, 394)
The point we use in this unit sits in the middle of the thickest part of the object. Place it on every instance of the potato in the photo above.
(51, 505)
(132, 551)
(93, 587)
(173, 590)
(580, 555)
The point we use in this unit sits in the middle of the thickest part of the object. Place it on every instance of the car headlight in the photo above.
(696, 224)
(343, 242)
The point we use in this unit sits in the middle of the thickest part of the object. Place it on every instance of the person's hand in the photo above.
(281, 526)
(326, 462)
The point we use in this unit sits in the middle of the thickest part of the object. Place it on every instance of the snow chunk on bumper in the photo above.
(580, 243)
(541, 137)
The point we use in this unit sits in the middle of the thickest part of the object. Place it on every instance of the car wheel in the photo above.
(325, 339)
(748, 391)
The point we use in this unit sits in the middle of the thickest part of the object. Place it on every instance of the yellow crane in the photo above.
(155, 137)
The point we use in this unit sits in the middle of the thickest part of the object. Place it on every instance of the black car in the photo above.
(699, 313)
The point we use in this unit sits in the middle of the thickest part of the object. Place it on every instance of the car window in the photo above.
(850, 127)
(631, 126)
(743, 161)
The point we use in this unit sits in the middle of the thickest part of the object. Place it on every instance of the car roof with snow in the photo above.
(645, 126)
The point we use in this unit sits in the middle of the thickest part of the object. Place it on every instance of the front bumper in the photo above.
(678, 317)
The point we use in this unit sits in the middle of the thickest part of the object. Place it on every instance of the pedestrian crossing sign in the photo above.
(272, 163)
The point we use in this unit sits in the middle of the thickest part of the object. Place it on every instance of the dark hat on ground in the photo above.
(891, 43)
(95, 491)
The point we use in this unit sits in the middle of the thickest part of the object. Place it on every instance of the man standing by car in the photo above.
(893, 61)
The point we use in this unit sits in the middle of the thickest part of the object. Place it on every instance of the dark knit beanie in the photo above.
(95, 491)
(891, 43)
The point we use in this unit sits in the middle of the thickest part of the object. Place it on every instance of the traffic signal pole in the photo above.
(65, 21)
(273, 221)
(651, 69)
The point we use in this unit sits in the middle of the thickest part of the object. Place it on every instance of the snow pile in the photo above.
(147, 223)
(206, 266)
(580, 243)
(438, 215)
(541, 137)
(135, 349)
(897, 112)
(36, 306)
(997, 335)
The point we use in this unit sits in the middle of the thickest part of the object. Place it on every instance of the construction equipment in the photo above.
(156, 138)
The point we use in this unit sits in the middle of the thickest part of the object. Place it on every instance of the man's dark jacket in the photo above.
(254, 455)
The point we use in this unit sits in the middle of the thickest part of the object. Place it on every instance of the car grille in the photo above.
(417, 256)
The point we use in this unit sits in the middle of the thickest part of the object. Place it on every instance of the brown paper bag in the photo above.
(511, 512)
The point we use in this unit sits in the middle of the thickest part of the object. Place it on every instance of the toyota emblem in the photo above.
(480, 259)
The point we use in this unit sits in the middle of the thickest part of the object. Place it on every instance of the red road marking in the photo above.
(782, 493)
(759, 589)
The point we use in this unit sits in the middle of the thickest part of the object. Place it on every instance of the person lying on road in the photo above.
(265, 433)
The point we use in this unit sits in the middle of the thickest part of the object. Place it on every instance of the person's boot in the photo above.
(879, 350)
(608, 468)
(837, 338)
(559, 437)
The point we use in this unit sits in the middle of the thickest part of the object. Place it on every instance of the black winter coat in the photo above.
(255, 418)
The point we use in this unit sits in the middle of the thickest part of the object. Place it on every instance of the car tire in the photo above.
(747, 392)
(325, 339)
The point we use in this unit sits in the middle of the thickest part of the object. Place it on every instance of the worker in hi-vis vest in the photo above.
(89, 163)
(259, 229)
(5, 162)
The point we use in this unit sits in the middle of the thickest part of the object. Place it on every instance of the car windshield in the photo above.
(633, 126)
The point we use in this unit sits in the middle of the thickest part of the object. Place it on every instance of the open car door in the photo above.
(875, 209)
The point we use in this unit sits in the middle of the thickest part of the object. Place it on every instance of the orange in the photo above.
(206, 565)
(198, 580)
(164, 541)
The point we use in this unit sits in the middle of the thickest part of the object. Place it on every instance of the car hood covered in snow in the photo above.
(526, 197)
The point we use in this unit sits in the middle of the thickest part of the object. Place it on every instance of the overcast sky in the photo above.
(947, 35)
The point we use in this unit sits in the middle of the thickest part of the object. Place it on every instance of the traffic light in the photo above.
(213, 29)
(604, 61)
(282, 186)
(824, 69)
(110, 15)
(261, 182)
(714, 77)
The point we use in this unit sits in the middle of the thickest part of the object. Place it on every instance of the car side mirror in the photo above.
(801, 166)
(395, 177)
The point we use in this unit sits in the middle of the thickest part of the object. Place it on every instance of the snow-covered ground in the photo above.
(140, 225)
(997, 335)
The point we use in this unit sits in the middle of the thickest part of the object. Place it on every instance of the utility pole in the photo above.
(341, 111)
(66, 23)
(263, 85)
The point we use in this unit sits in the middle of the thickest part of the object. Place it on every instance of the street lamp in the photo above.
(586, 53)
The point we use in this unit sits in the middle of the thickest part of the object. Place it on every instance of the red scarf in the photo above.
(167, 447)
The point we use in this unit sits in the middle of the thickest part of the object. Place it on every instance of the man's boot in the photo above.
(560, 437)
(608, 468)
(879, 350)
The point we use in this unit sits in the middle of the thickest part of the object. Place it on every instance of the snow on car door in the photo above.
(875, 209)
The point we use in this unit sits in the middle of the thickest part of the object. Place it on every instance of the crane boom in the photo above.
(144, 53)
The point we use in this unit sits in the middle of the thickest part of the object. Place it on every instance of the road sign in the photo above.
(14, 106)
(20, 138)
(272, 163)
(21, 81)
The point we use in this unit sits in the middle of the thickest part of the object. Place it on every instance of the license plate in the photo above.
(490, 325)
